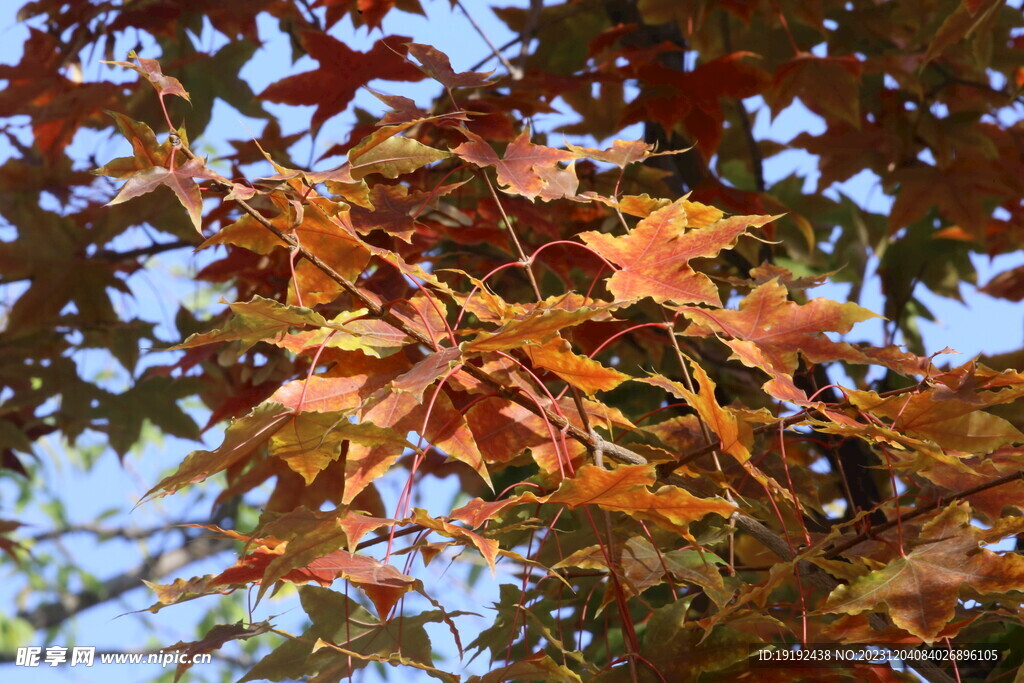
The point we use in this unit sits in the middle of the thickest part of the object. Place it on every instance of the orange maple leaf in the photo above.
(768, 330)
(518, 167)
(654, 257)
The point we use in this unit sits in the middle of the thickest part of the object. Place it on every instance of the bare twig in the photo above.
(529, 30)
(923, 509)
(514, 72)
(151, 250)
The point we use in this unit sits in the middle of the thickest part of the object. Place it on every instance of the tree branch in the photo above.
(151, 250)
(52, 614)
(756, 160)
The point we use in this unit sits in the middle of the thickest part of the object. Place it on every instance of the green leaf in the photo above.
(241, 439)
(257, 320)
(393, 157)
(309, 442)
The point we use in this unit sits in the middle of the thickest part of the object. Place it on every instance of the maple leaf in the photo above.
(624, 489)
(719, 420)
(335, 335)
(57, 105)
(241, 439)
(146, 152)
(843, 150)
(582, 372)
(920, 590)
(987, 503)
(828, 86)
(403, 109)
(622, 153)
(653, 258)
(436, 64)
(151, 71)
(768, 330)
(356, 525)
(634, 205)
(322, 227)
(427, 371)
(390, 658)
(183, 590)
(957, 190)
(179, 179)
(1008, 284)
(368, 12)
(477, 511)
(954, 423)
(559, 182)
(346, 386)
(693, 98)
(536, 667)
(341, 73)
(257, 320)
(961, 22)
(394, 209)
(404, 412)
(517, 166)
(392, 157)
(645, 566)
(309, 442)
(339, 619)
(382, 583)
(488, 547)
(215, 638)
(536, 327)
(302, 537)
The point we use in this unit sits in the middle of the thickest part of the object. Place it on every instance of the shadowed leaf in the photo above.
(341, 73)
(920, 591)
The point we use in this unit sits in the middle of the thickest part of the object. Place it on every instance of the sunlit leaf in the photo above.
(517, 168)
(580, 371)
(625, 489)
(653, 259)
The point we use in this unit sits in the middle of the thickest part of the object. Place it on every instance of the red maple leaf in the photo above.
(436, 64)
(368, 12)
(693, 98)
(179, 179)
(341, 73)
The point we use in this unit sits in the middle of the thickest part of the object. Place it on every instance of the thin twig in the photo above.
(151, 250)
(922, 509)
(489, 57)
(515, 73)
(514, 238)
(529, 30)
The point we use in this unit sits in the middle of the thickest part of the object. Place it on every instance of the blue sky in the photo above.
(984, 325)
